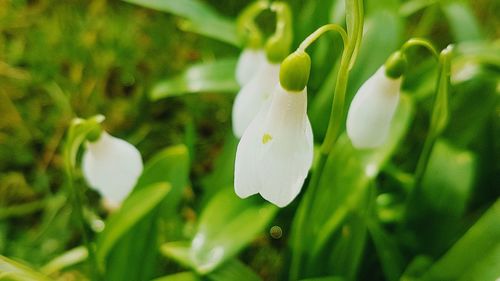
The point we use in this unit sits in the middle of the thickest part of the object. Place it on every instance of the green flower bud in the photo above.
(294, 71)
(95, 133)
(277, 48)
(396, 65)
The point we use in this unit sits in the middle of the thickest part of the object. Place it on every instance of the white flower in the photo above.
(253, 95)
(276, 151)
(248, 64)
(112, 166)
(372, 110)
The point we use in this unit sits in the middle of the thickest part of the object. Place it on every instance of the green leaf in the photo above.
(134, 208)
(223, 172)
(390, 256)
(436, 210)
(183, 276)
(344, 184)
(478, 249)
(67, 259)
(140, 243)
(200, 18)
(463, 24)
(16, 271)
(227, 225)
(178, 251)
(216, 76)
(328, 278)
(233, 270)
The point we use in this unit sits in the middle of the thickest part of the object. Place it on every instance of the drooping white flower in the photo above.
(372, 109)
(253, 95)
(111, 166)
(248, 64)
(276, 151)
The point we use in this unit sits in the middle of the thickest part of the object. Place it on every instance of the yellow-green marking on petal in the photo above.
(266, 138)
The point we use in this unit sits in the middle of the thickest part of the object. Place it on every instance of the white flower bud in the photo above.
(111, 166)
(372, 109)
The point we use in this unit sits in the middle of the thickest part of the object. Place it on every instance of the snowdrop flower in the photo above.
(275, 152)
(111, 166)
(372, 109)
(253, 95)
(248, 63)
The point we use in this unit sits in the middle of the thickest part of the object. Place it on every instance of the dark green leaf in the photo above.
(438, 206)
(201, 18)
(141, 242)
(217, 76)
(478, 249)
(227, 225)
(463, 24)
(134, 208)
(390, 256)
(183, 276)
(343, 186)
(233, 270)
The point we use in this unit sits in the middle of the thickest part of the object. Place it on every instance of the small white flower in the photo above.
(276, 151)
(112, 166)
(248, 64)
(253, 95)
(372, 110)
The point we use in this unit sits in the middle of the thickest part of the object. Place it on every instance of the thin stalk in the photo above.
(351, 44)
(439, 120)
(78, 208)
(414, 42)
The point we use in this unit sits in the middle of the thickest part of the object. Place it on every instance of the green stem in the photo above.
(439, 120)
(78, 208)
(348, 57)
(22, 210)
(320, 31)
(413, 42)
(246, 28)
(78, 132)
(351, 44)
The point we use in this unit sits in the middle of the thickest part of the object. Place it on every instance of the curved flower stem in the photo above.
(439, 117)
(413, 42)
(246, 27)
(354, 11)
(77, 133)
(320, 31)
(347, 60)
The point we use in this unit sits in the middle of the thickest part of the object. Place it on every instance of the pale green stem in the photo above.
(320, 31)
(438, 116)
(351, 43)
(69, 157)
(413, 42)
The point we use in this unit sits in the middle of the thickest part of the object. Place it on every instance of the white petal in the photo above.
(372, 110)
(248, 64)
(112, 166)
(253, 95)
(246, 182)
(276, 151)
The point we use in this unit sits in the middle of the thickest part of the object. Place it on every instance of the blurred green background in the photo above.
(63, 59)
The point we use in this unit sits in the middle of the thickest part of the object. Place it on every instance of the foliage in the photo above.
(162, 72)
